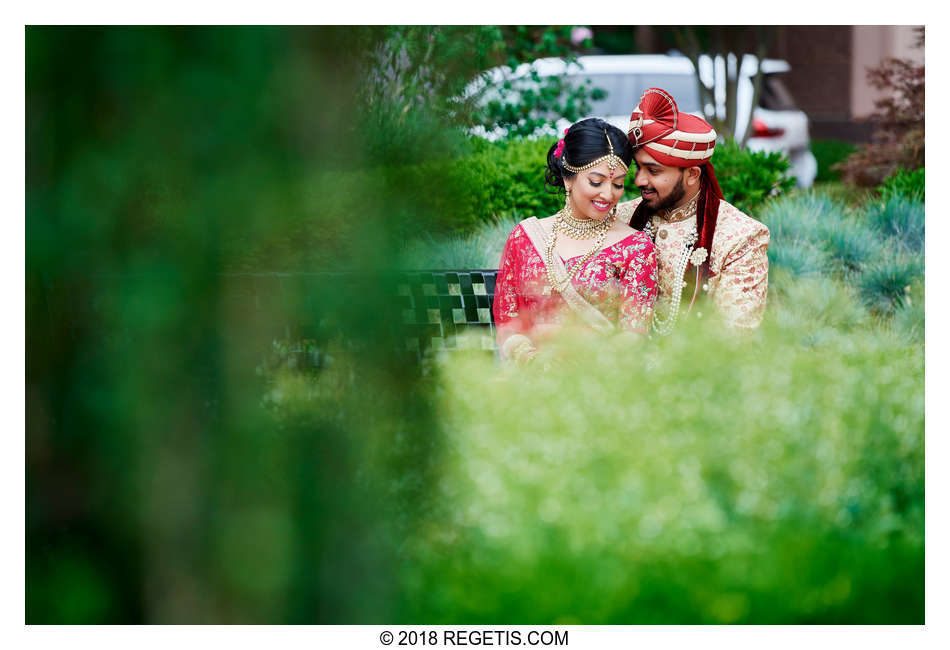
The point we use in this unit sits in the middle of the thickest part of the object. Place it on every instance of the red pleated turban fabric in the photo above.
(678, 140)
(672, 138)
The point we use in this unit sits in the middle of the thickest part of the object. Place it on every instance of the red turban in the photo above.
(679, 140)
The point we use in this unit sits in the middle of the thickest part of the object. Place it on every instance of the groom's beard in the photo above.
(670, 200)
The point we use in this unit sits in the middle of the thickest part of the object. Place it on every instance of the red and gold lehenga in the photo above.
(615, 290)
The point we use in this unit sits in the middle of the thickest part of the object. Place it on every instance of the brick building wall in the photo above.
(821, 77)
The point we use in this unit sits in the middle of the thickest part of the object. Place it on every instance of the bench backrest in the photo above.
(437, 307)
(440, 306)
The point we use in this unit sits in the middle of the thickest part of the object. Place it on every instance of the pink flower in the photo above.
(560, 149)
(581, 34)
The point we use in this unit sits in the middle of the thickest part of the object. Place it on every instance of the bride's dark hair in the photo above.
(583, 143)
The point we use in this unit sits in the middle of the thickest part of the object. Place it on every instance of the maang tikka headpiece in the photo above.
(612, 159)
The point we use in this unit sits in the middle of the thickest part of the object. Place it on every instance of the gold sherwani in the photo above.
(738, 265)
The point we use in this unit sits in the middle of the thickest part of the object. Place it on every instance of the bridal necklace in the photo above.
(566, 222)
(578, 228)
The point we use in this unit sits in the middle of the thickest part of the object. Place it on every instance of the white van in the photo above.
(777, 125)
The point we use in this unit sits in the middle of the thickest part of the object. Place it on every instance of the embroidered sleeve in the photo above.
(744, 281)
(509, 292)
(507, 282)
(639, 288)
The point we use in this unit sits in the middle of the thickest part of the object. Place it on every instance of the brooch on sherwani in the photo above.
(698, 257)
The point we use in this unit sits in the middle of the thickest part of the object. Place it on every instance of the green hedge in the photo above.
(303, 223)
(747, 178)
(488, 181)
(827, 153)
(502, 178)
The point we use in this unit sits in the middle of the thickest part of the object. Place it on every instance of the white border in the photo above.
(525, 12)
(579, 637)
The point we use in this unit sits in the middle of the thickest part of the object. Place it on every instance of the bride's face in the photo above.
(595, 191)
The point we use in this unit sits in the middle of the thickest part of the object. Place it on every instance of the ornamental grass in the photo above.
(886, 284)
(901, 220)
(478, 250)
(851, 245)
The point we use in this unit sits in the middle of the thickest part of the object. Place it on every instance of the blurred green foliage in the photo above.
(701, 478)
(162, 161)
(828, 153)
(616, 39)
(847, 195)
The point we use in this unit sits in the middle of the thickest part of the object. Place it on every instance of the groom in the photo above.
(703, 244)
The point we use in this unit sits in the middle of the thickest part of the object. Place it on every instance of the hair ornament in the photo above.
(613, 161)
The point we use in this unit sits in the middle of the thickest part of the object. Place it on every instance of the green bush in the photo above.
(510, 178)
(828, 153)
(496, 179)
(904, 183)
(489, 180)
(657, 500)
(747, 177)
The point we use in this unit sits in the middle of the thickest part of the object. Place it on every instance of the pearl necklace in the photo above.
(664, 327)
(661, 326)
(561, 223)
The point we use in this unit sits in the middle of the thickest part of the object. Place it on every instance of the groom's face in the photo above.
(662, 187)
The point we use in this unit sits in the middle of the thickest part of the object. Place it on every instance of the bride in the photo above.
(583, 264)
